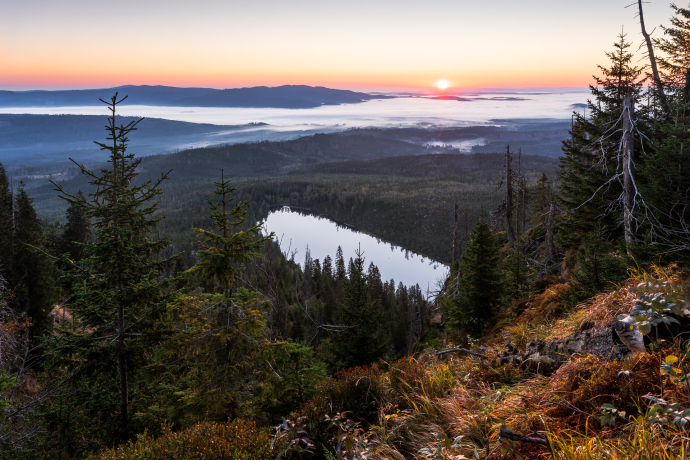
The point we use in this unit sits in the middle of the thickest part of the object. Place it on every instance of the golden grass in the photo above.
(565, 407)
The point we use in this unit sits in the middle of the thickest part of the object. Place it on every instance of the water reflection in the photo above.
(297, 230)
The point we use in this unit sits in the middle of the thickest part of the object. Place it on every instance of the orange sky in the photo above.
(357, 44)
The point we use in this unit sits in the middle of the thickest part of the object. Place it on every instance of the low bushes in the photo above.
(358, 390)
(235, 440)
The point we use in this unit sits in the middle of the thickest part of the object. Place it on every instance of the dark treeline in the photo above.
(309, 302)
(406, 200)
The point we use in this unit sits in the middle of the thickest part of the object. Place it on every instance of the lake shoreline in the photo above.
(278, 207)
(302, 231)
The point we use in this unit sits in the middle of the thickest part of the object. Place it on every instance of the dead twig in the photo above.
(461, 350)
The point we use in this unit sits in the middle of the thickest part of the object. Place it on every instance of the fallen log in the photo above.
(507, 434)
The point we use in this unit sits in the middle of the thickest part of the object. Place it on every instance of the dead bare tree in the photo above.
(652, 60)
(505, 209)
(628, 168)
(509, 196)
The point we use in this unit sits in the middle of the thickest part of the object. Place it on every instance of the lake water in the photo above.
(298, 231)
(408, 111)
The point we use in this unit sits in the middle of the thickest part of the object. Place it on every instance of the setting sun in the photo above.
(442, 84)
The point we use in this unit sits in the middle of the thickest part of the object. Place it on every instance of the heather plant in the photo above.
(235, 440)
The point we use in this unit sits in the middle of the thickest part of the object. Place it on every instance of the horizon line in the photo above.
(357, 88)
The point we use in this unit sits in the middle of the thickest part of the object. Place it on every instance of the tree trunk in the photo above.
(652, 60)
(455, 234)
(122, 363)
(628, 169)
(124, 403)
(549, 235)
(509, 197)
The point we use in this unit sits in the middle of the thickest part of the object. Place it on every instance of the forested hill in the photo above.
(286, 97)
(536, 136)
(407, 200)
(242, 161)
(440, 166)
(52, 139)
(381, 186)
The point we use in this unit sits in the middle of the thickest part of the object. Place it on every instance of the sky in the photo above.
(350, 44)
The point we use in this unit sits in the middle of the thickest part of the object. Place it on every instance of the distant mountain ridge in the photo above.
(284, 97)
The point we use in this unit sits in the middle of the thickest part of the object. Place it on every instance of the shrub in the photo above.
(358, 390)
(235, 440)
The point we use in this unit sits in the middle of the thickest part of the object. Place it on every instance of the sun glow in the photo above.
(442, 84)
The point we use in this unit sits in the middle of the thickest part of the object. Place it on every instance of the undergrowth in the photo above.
(463, 406)
(467, 407)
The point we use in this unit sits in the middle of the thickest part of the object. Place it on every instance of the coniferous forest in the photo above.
(146, 314)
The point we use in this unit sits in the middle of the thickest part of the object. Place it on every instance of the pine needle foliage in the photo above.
(481, 282)
(675, 46)
(77, 231)
(30, 270)
(5, 221)
(119, 293)
(364, 338)
(590, 190)
(224, 250)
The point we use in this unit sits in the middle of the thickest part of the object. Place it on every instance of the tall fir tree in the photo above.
(119, 293)
(340, 271)
(31, 272)
(77, 230)
(328, 289)
(666, 188)
(223, 251)
(481, 282)
(363, 340)
(675, 48)
(589, 190)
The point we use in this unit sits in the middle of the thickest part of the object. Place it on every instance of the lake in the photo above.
(297, 231)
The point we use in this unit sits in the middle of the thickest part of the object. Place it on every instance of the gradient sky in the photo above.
(357, 44)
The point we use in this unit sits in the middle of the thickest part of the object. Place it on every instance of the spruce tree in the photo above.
(340, 271)
(328, 297)
(675, 46)
(5, 222)
(481, 283)
(589, 190)
(364, 339)
(77, 231)
(118, 291)
(31, 272)
(224, 251)
(666, 188)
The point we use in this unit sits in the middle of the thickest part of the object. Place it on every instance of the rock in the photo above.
(616, 340)
(629, 333)
(545, 357)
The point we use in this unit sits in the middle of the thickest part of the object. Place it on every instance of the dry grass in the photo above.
(566, 407)
(541, 319)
